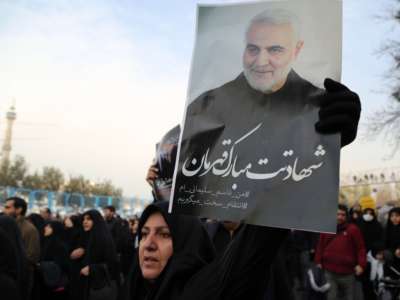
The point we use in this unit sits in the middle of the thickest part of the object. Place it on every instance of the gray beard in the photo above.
(266, 89)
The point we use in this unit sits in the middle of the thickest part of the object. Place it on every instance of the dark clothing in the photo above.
(392, 232)
(279, 286)
(31, 238)
(193, 273)
(340, 253)
(279, 283)
(372, 233)
(100, 255)
(55, 250)
(220, 236)
(123, 241)
(18, 263)
(9, 285)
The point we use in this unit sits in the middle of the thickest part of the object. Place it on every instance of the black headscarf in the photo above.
(372, 231)
(100, 246)
(37, 221)
(392, 232)
(74, 234)
(54, 247)
(192, 250)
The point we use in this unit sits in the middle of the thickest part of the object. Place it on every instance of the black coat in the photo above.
(100, 254)
(55, 249)
(372, 232)
(17, 263)
(9, 287)
(392, 232)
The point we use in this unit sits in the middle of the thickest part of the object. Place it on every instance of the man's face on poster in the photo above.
(269, 54)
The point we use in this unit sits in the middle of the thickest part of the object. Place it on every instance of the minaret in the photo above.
(11, 116)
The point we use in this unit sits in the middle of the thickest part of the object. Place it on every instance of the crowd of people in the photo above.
(43, 257)
(99, 255)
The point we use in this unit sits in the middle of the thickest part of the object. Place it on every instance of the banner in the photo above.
(249, 150)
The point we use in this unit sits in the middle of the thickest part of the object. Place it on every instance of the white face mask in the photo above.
(368, 218)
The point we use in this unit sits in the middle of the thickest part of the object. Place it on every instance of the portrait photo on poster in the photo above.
(249, 150)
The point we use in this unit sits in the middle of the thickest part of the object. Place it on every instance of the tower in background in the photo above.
(6, 148)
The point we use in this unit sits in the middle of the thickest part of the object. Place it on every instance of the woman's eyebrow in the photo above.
(155, 227)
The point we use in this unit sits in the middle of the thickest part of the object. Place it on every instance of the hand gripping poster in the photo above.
(249, 150)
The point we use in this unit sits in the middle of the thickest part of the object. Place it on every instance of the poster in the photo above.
(249, 151)
(165, 159)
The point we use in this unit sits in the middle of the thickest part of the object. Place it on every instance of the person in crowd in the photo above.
(73, 231)
(374, 272)
(383, 212)
(371, 229)
(303, 244)
(133, 228)
(95, 262)
(9, 286)
(133, 225)
(176, 260)
(46, 214)
(55, 251)
(222, 233)
(13, 261)
(37, 221)
(392, 233)
(16, 207)
(372, 233)
(341, 256)
(123, 241)
(355, 214)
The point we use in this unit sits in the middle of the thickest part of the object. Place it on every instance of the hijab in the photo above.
(54, 242)
(392, 232)
(372, 230)
(99, 246)
(192, 250)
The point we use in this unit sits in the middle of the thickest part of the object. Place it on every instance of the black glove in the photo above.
(339, 111)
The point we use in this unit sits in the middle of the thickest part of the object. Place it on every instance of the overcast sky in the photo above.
(97, 83)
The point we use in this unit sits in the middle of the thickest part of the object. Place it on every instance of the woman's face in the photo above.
(155, 247)
(134, 226)
(87, 223)
(48, 230)
(395, 218)
(68, 222)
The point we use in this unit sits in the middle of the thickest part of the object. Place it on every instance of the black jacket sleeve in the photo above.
(243, 271)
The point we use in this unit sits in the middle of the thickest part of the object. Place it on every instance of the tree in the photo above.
(13, 173)
(52, 178)
(106, 188)
(78, 185)
(33, 182)
(386, 122)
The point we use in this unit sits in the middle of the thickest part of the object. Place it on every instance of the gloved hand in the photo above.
(339, 111)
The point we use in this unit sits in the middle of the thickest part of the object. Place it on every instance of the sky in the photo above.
(97, 83)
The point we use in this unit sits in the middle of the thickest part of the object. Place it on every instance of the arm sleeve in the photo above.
(32, 245)
(360, 248)
(319, 250)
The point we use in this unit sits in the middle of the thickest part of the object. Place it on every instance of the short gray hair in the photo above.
(277, 16)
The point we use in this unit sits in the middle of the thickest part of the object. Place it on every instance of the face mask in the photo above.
(368, 218)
